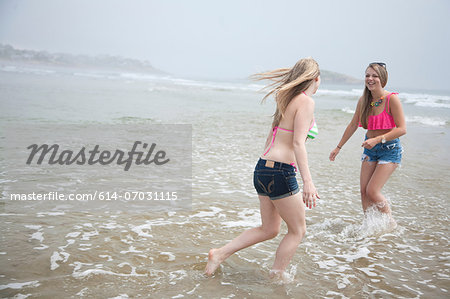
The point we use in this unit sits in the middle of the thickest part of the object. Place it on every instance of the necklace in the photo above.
(377, 103)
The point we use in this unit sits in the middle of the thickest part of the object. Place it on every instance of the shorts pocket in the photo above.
(264, 183)
(391, 146)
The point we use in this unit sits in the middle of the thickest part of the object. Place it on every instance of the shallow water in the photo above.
(113, 253)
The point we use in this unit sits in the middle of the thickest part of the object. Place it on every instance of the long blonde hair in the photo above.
(367, 95)
(289, 82)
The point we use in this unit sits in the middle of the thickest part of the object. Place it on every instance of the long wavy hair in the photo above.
(287, 83)
(367, 95)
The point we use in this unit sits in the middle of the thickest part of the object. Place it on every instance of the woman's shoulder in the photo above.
(301, 104)
(393, 96)
(303, 100)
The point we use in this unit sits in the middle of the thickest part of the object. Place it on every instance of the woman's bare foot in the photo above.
(280, 276)
(214, 260)
(392, 224)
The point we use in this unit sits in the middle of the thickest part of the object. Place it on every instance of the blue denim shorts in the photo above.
(383, 153)
(275, 179)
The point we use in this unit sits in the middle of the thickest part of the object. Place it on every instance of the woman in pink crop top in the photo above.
(274, 177)
(381, 113)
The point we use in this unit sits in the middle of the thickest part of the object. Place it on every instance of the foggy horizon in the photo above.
(201, 39)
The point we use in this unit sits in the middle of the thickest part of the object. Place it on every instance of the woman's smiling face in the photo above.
(372, 79)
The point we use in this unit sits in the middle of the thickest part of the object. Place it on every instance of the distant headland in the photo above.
(10, 54)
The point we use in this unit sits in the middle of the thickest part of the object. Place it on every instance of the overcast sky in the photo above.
(235, 38)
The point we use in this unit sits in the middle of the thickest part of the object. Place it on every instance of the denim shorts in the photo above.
(275, 179)
(383, 153)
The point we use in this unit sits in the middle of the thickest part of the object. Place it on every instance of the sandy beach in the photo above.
(160, 250)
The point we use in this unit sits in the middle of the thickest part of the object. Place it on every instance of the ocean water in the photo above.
(58, 252)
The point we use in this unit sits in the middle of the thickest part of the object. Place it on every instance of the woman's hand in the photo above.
(310, 194)
(334, 153)
(371, 142)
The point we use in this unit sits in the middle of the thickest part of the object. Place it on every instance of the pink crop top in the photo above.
(383, 120)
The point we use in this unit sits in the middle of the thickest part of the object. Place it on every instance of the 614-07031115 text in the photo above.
(68, 157)
(97, 196)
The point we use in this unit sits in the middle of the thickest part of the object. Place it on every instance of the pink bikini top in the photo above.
(383, 120)
(312, 133)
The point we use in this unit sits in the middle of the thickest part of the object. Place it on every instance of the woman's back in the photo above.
(280, 145)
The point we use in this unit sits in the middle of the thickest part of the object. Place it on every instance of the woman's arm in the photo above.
(302, 121)
(349, 131)
(396, 111)
(400, 125)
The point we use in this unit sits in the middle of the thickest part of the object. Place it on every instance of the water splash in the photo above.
(374, 223)
(283, 277)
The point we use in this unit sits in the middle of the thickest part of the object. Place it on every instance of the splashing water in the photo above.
(374, 223)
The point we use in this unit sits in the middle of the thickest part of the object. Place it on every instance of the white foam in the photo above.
(54, 259)
(426, 100)
(328, 264)
(429, 121)
(142, 230)
(343, 283)
(19, 285)
(353, 92)
(362, 252)
(131, 249)
(177, 275)
(41, 247)
(249, 218)
(87, 235)
(42, 214)
(21, 296)
(368, 271)
(73, 235)
(98, 271)
(202, 214)
(374, 223)
(111, 225)
(38, 236)
(169, 254)
(109, 258)
(81, 293)
(348, 110)
(36, 227)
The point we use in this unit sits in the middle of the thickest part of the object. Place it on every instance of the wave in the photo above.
(348, 110)
(416, 99)
(426, 100)
(353, 92)
(429, 121)
(30, 70)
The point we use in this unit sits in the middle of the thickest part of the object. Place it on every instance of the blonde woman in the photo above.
(381, 113)
(274, 175)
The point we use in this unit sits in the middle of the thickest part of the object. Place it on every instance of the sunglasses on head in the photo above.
(380, 64)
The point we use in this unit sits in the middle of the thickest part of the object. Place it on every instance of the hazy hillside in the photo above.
(8, 53)
(335, 78)
(12, 55)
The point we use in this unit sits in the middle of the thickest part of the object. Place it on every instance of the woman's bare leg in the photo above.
(292, 211)
(367, 170)
(269, 229)
(373, 190)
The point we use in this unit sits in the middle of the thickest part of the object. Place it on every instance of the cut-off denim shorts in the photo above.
(384, 153)
(275, 179)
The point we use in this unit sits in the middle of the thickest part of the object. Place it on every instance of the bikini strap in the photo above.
(388, 97)
(275, 129)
